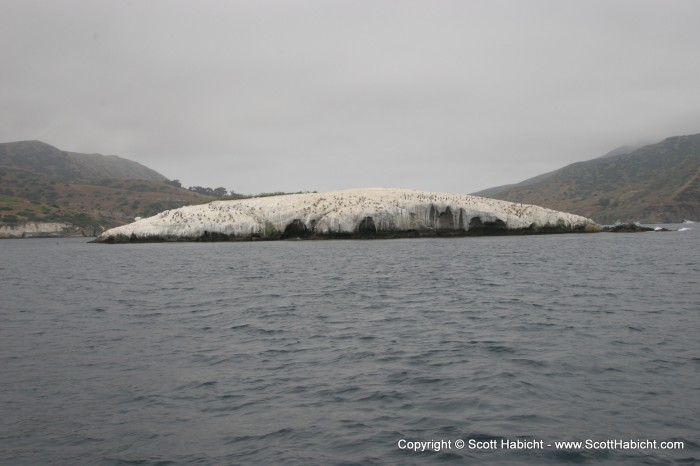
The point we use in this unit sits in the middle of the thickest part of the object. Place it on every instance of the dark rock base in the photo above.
(630, 228)
(298, 233)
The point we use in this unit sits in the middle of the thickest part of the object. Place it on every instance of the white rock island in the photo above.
(352, 213)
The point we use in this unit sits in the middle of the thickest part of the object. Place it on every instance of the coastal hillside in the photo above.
(40, 183)
(657, 183)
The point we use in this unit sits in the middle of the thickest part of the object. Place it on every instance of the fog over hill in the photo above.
(44, 159)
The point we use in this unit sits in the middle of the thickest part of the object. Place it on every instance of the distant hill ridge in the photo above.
(657, 183)
(43, 159)
(40, 183)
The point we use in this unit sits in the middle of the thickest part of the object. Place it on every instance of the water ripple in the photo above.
(331, 352)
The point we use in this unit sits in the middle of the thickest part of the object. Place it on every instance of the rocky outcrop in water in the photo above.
(355, 213)
(631, 228)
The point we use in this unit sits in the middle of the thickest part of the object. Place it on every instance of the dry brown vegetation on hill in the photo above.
(658, 183)
(41, 183)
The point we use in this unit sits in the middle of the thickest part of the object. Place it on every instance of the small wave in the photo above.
(572, 456)
(529, 362)
(195, 385)
(500, 349)
(383, 396)
(140, 462)
(85, 441)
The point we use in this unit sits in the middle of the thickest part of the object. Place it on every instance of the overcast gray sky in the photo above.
(273, 95)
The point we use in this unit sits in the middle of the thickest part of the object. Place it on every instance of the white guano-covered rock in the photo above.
(365, 212)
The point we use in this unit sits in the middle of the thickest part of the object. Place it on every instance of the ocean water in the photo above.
(352, 352)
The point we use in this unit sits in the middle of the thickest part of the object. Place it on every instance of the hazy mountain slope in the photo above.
(493, 192)
(656, 183)
(40, 183)
(43, 159)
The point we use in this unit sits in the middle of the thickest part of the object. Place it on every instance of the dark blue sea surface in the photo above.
(345, 352)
